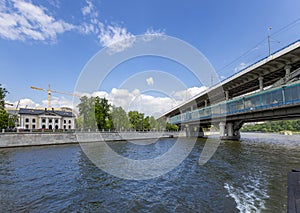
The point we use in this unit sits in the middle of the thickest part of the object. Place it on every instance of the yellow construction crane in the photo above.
(9, 104)
(49, 91)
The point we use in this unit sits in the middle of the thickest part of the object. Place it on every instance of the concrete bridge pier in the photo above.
(193, 131)
(230, 130)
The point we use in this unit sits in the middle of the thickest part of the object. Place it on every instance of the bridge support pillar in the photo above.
(261, 83)
(227, 95)
(194, 131)
(222, 129)
(230, 130)
(187, 131)
(287, 72)
(229, 127)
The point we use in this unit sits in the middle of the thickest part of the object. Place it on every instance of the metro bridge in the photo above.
(267, 90)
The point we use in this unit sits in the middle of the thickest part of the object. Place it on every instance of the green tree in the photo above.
(12, 119)
(161, 123)
(79, 122)
(87, 112)
(146, 124)
(102, 113)
(273, 126)
(3, 119)
(120, 119)
(136, 120)
(94, 113)
(171, 127)
(3, 114)
(153, 123)
(3, 93)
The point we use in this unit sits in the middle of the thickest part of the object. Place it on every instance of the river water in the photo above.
(245, 176)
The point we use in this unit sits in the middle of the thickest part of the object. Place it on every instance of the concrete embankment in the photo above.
(37, 139)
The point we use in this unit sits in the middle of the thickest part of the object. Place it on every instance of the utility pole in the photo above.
(269, 40)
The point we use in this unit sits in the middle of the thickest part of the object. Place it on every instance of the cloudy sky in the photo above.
(50, 42)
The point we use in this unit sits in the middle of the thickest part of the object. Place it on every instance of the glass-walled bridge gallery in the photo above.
(276, 97)
(279, 98)
(266, 90)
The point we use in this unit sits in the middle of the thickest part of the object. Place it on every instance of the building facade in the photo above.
(46, 119)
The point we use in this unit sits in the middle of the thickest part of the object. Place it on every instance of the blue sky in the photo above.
(50, 41)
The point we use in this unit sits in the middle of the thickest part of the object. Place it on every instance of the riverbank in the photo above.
(39, 139)
(284, 132)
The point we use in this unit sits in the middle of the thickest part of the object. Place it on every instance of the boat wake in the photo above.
(251, 195)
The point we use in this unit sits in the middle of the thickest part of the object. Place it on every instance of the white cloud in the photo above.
(116, 38)
(58, 102)
(26, 103)
(88, 28)
(20, 20)
(240, 67)
(188, 93)
(89, 10)
(151, 34)
(128, 100)
(150, 81)
(54, 3)
(135, 100)
(148, 104)
(55, 102)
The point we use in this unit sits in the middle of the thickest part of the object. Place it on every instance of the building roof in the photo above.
(12, 111)
(25, 111)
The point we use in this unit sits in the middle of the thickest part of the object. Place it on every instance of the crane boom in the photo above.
(9, 104)
(66, 93)
(49, 93)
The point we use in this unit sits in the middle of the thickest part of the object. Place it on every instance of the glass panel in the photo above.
(215, 110)
(277, 96)
(240, 104)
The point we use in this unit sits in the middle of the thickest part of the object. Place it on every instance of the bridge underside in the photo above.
(267, 90)
(230, 125)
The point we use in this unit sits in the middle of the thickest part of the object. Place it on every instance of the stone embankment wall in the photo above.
(36, 139)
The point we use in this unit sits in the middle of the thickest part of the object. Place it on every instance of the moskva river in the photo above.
(245, 176)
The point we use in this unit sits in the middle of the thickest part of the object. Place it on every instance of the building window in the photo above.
(69, 121)
(26, 126)
(50, 126)
(56, 121)
(56, 126)
(50, 120)
(27, 120)
(69, 126)
(43, 127)
(65, 121)
(33, 126)
(43, 120)
(65, 127)
(33, 120)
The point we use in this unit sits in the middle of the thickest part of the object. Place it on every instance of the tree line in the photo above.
(274, 126)
(97, 113)
(6, 120)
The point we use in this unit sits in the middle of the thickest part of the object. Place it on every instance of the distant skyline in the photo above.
(50, 41)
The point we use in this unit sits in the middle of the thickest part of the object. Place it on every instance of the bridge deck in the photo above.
(280, 102)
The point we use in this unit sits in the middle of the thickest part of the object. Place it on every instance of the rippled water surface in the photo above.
(245, 176)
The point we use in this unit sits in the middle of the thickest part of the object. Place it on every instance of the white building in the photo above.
(46, 119)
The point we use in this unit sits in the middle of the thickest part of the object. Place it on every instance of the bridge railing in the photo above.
(275, 97)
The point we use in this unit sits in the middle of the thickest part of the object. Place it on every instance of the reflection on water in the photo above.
(245, 176)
